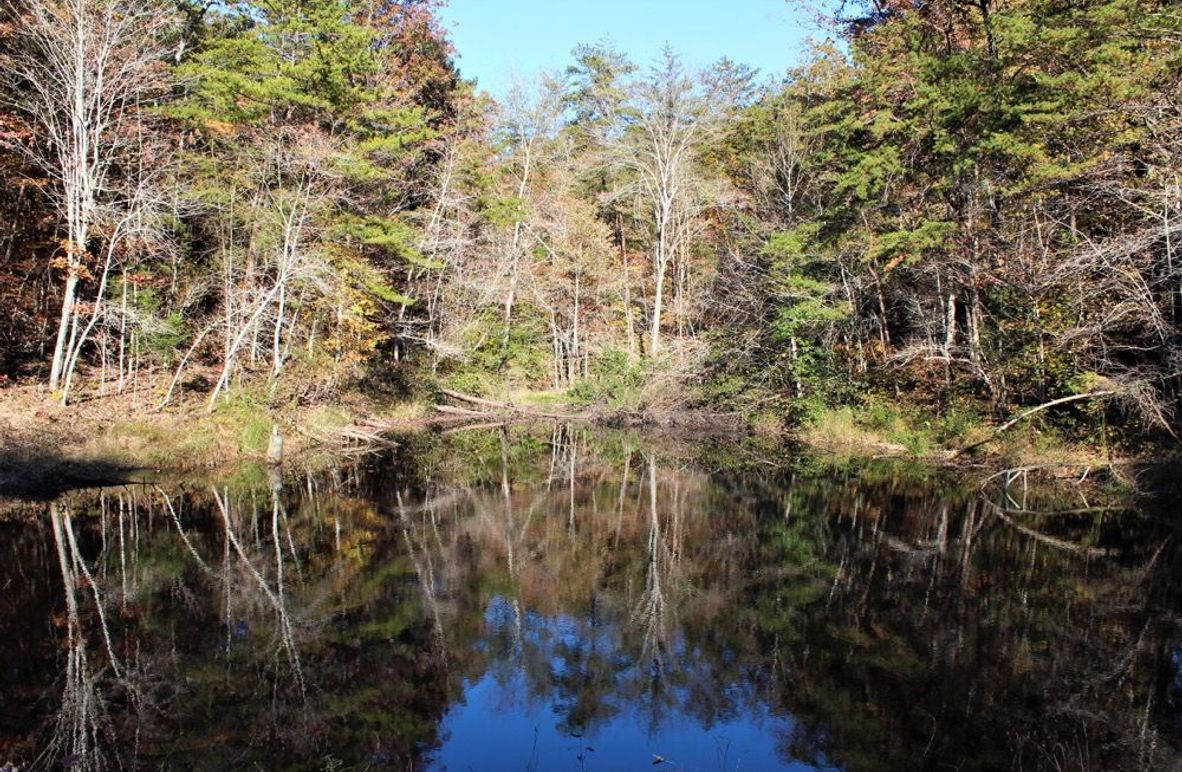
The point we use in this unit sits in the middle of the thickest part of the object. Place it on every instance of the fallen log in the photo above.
(474, 427)
(462, 397)
(459, 411)
(506, 408)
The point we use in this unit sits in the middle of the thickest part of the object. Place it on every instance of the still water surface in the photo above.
(558, 599)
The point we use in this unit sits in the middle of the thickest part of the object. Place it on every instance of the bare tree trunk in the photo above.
(573, 370)
(251, 324)
(276, 342)
(949, 335)
(63, 328)
(628, 321)
(659, 291)
(528, 138)
(793, 354)
(974, 319)
(883, 329)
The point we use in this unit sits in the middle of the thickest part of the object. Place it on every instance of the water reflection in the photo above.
(567, 599)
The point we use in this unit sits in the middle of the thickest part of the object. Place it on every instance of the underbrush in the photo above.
(878, 426)
(615, 382)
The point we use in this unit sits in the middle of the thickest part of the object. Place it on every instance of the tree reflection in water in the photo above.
(603, 600)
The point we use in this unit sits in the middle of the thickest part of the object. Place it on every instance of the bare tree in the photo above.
(530, 120)
(293, 186)
(672, 119)
(81, 74)
(133, 224)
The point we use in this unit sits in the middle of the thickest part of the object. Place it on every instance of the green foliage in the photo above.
(246, 412)
(467, 381)
(808, 305)
(929, 237)
(876, 425)
(965, 206)
(279, 62)
(393, 236)
(309, 148)
(893, 424)
(614, 380)
(958, 425)
(520, 357)
(929, 183)
(501, 211)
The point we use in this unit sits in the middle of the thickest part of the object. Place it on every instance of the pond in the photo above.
(557, 598)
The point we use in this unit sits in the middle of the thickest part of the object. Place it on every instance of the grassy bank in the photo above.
(878, 427)
(126, 430)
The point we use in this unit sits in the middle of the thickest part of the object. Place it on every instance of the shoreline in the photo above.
(48, 448)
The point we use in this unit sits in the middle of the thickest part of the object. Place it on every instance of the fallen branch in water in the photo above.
(1092, 552)
(479, 413)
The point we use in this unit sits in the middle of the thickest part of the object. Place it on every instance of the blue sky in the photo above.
(496, 39)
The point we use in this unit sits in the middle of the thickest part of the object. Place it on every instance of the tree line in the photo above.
(956, 200)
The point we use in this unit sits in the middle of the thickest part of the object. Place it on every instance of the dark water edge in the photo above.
(561, 598)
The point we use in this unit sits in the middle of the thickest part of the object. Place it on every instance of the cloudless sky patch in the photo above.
(499, 39)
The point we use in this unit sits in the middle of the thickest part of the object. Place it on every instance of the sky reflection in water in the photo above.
(506, 721)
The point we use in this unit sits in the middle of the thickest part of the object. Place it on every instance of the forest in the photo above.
(953, 214)
(641, 415)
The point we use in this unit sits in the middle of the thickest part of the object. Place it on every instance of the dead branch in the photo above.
(1032, 411)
